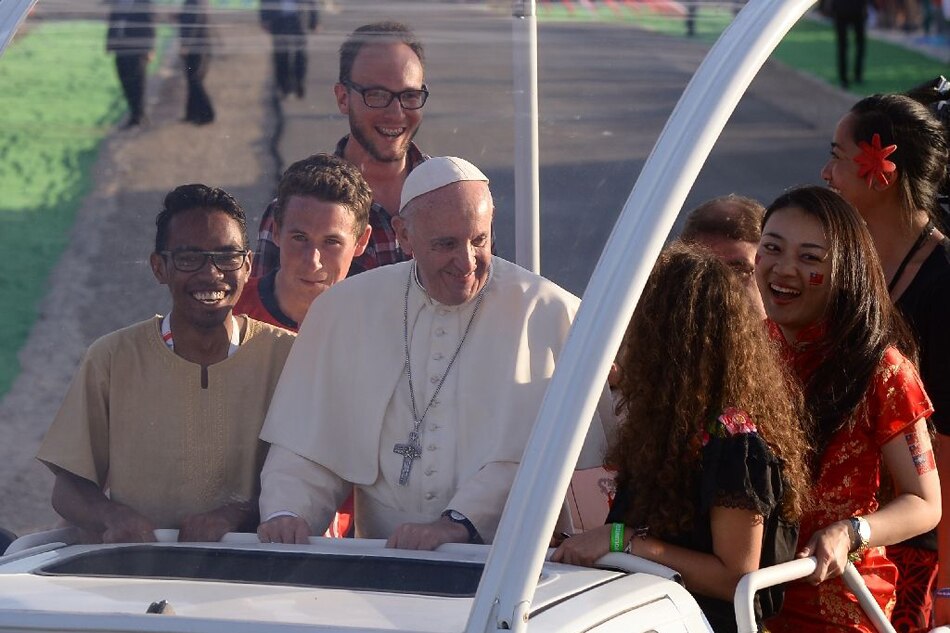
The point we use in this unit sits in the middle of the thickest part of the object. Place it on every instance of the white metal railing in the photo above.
(794, 570)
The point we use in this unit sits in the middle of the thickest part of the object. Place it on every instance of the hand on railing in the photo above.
(795, 570)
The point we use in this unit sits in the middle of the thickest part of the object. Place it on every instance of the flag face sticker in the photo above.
(816, 279)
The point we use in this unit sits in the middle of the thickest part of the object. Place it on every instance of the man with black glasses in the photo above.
(159, 428)
(382, 91)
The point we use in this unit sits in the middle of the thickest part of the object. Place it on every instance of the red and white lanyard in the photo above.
(235, 335)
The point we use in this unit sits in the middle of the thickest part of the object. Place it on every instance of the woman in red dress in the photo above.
(905, 219)
(828, 307)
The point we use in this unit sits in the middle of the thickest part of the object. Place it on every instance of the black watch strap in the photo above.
(457, 517)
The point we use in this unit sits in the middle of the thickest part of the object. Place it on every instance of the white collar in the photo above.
(235, 335)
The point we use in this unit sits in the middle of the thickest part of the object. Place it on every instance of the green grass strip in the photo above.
(60, 98)
(808, 47)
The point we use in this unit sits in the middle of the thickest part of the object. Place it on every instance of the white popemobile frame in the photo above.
(514, 563)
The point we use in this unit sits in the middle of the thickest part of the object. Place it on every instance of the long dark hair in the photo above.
(694, 347)
(861, 320)
(922, 148)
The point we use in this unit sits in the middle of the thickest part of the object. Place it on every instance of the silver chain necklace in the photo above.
(412, 449)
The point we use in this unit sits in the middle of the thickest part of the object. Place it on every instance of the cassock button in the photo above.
(434, 380)
(437, 356)
(432, 447)
(440, 331)
(430, 496)
(430, 472)
(433, 427)
(443, 311)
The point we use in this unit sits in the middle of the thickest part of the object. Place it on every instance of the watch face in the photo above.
(456, 516)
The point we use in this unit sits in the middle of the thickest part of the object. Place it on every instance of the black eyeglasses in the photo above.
(191, 261)
(381, 98)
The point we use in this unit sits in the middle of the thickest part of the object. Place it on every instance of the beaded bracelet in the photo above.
(616, 537)
(942, 592)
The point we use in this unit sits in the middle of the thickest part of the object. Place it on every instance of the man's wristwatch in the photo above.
(457, 517)
(861, 537)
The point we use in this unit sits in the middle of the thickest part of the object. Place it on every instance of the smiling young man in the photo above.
(320, 226)
(160, 426)
(458, 348)
(381, 90)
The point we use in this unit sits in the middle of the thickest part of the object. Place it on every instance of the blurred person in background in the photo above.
(195, 48)
(285, 21)
(850, 15)
(131, 37)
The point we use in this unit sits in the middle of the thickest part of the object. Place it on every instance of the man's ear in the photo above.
(158, 263)
(401, 228)
(363, 241)
(342, 98)
(248, 265)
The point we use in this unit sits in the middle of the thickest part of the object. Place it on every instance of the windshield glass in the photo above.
(83, 175)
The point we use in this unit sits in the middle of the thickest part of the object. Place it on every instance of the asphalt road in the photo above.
(605, 92)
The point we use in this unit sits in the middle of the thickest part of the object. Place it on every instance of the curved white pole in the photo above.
(793, 570)
(508, 583)
(768, 577)
(12, 12)
(524, 31)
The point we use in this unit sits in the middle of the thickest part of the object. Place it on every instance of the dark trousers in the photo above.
(198, 108)
(290, 66)
(857, 24)
(290, 54)
(131, 69)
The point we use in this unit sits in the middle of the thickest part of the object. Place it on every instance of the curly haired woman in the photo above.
(828, 306)
(711, 458)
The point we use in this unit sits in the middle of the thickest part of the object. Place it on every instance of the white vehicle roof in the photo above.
(328, 585)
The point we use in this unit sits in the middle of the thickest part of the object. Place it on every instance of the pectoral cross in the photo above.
(410, 452)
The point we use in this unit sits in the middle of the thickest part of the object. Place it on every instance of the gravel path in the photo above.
(103, 281)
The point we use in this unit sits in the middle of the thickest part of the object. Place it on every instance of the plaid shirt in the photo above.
(382, 248)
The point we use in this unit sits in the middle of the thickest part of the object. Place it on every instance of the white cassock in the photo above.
(342, 402)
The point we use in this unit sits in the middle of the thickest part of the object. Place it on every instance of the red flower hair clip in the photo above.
(872, 161)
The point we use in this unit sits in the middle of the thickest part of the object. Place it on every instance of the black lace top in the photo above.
(738, 471)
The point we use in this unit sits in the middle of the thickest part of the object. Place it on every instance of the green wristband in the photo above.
(616, 537)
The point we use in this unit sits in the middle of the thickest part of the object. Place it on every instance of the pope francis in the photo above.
(416, 384)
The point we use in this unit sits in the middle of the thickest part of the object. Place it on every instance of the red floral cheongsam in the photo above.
(847, 485)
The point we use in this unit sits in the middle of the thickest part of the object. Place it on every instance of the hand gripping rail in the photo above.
(793, 570)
